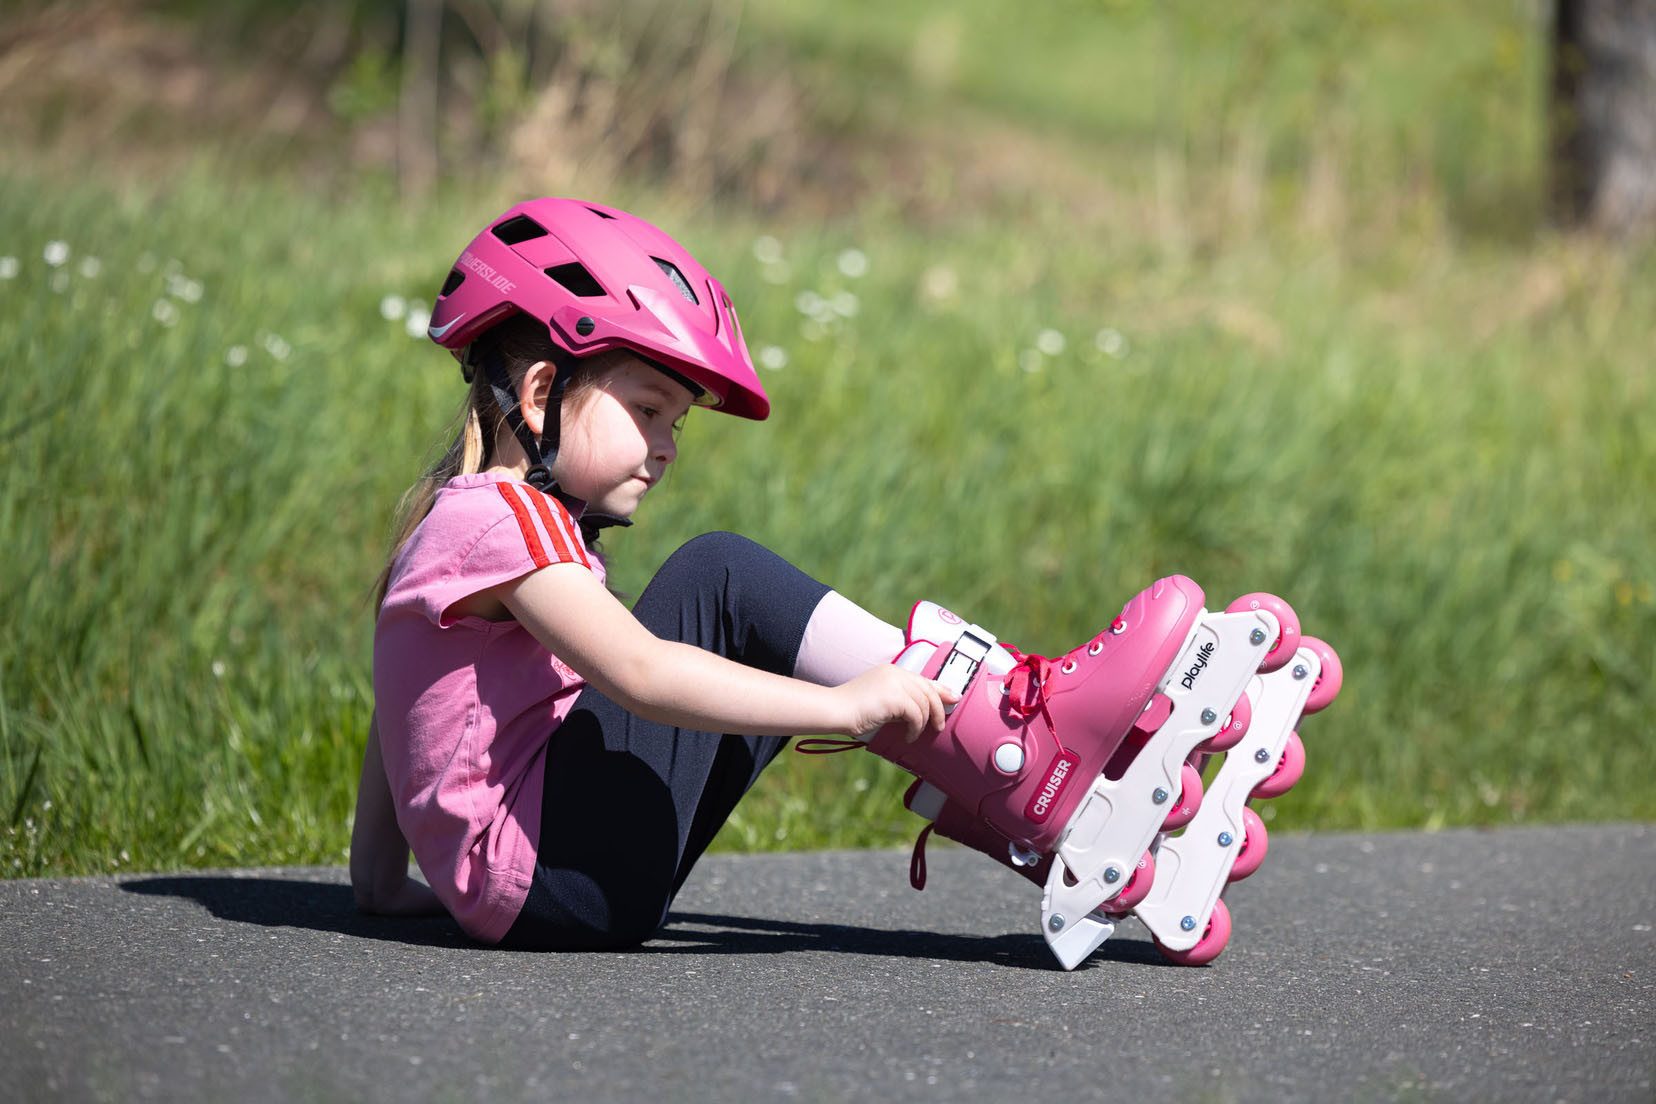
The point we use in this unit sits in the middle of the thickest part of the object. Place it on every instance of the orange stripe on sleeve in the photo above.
(537, 552)
(561, 529)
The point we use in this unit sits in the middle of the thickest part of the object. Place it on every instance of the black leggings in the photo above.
(631, 804)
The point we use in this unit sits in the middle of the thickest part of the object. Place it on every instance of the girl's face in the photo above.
(619, 439)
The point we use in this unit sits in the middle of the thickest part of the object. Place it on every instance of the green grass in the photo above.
(1436, 444)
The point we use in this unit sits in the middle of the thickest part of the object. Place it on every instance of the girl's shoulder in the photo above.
(490, 520)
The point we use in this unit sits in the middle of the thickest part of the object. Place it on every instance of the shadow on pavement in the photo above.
(747, 935)
(290, 903)
(330, 907)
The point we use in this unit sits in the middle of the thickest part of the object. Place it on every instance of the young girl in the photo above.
(557, 762)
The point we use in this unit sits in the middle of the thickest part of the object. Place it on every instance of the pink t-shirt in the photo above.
(466, 705)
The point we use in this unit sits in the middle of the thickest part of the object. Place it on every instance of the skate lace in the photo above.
(917, 861)
(827, 745)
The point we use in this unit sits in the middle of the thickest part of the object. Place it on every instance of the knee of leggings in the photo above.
(710, 552)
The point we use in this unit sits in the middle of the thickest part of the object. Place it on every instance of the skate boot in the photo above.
(1025, 750)
(1225, 841)
(952, 822)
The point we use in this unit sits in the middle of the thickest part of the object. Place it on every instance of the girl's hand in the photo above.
(411, 898)
(890, 695)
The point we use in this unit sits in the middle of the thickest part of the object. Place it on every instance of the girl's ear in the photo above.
(534, 392)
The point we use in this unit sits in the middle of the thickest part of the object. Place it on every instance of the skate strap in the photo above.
(917, 861)
(968, 654)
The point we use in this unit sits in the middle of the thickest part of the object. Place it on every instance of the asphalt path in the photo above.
(1465, 965)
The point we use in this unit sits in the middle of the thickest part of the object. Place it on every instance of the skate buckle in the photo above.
(968, 655)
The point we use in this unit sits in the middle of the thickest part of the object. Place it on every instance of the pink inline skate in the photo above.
(1023, 757)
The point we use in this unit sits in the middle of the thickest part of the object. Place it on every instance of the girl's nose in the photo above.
(667, 451)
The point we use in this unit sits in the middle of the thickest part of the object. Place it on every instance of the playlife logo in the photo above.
(1203, 654)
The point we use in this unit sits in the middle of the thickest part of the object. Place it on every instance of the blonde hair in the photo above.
(522, 342)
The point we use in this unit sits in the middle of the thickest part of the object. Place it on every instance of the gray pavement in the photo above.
(1509, 965)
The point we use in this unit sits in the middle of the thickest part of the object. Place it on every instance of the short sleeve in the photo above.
(480, 537)
(548, 533)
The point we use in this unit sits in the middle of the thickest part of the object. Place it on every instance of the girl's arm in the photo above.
(569, 611)
(379, 853)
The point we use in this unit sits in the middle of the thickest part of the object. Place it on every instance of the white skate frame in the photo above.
(1117, 821)
(1193, 867)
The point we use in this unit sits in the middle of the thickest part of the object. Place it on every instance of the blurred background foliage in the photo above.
(1051, 299)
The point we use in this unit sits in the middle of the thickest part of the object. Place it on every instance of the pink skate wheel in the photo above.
(1288, 770)
(1137, 887)
(1255, 842)
(1190, 799)
(1213, 941)
(1287, 641)
(1236, 727)
(1328, 683)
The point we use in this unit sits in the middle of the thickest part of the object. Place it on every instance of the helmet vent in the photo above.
(678, 279)
(519, 229)
(601, 214)
(577, 279)
(455, 279)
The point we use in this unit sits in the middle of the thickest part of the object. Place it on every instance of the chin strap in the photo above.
(543, 451)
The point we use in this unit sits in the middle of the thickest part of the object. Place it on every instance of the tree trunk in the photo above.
(417, 103)
(1603, 117)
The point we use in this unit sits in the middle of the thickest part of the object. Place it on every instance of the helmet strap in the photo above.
(542, 453)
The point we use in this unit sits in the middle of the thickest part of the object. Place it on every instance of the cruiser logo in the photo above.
(1058, 775)
(1203, 654)
(947, 617)
(470, 262)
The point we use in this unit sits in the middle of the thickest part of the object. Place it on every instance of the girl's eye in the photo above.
(649, 411)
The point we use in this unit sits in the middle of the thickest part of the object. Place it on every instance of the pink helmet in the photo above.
(601, 279)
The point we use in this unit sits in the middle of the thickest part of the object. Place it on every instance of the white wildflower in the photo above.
(235, 356)
(218, 668)
(1050, 342)
(182, 287)
(8, 268)
(776, 274)
(417, 321)
(55, 253)
(773, 357)
(809, 303)
(853, 263)
(939, 283)
(90, 267)
(845, 304)
(393, 308)
(276, 347)
(1111, 342)
(164, 312)
(767, 250)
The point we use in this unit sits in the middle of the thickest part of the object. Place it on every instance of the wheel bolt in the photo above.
(1225, 839)
(1111, 875)
(1188, 923)
(1209, 716)
(1160, 796)
(1256, 637)
(1262, 756)
(1300, 671)
(1056, 923)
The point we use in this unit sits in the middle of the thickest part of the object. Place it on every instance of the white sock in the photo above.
(842, 640)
